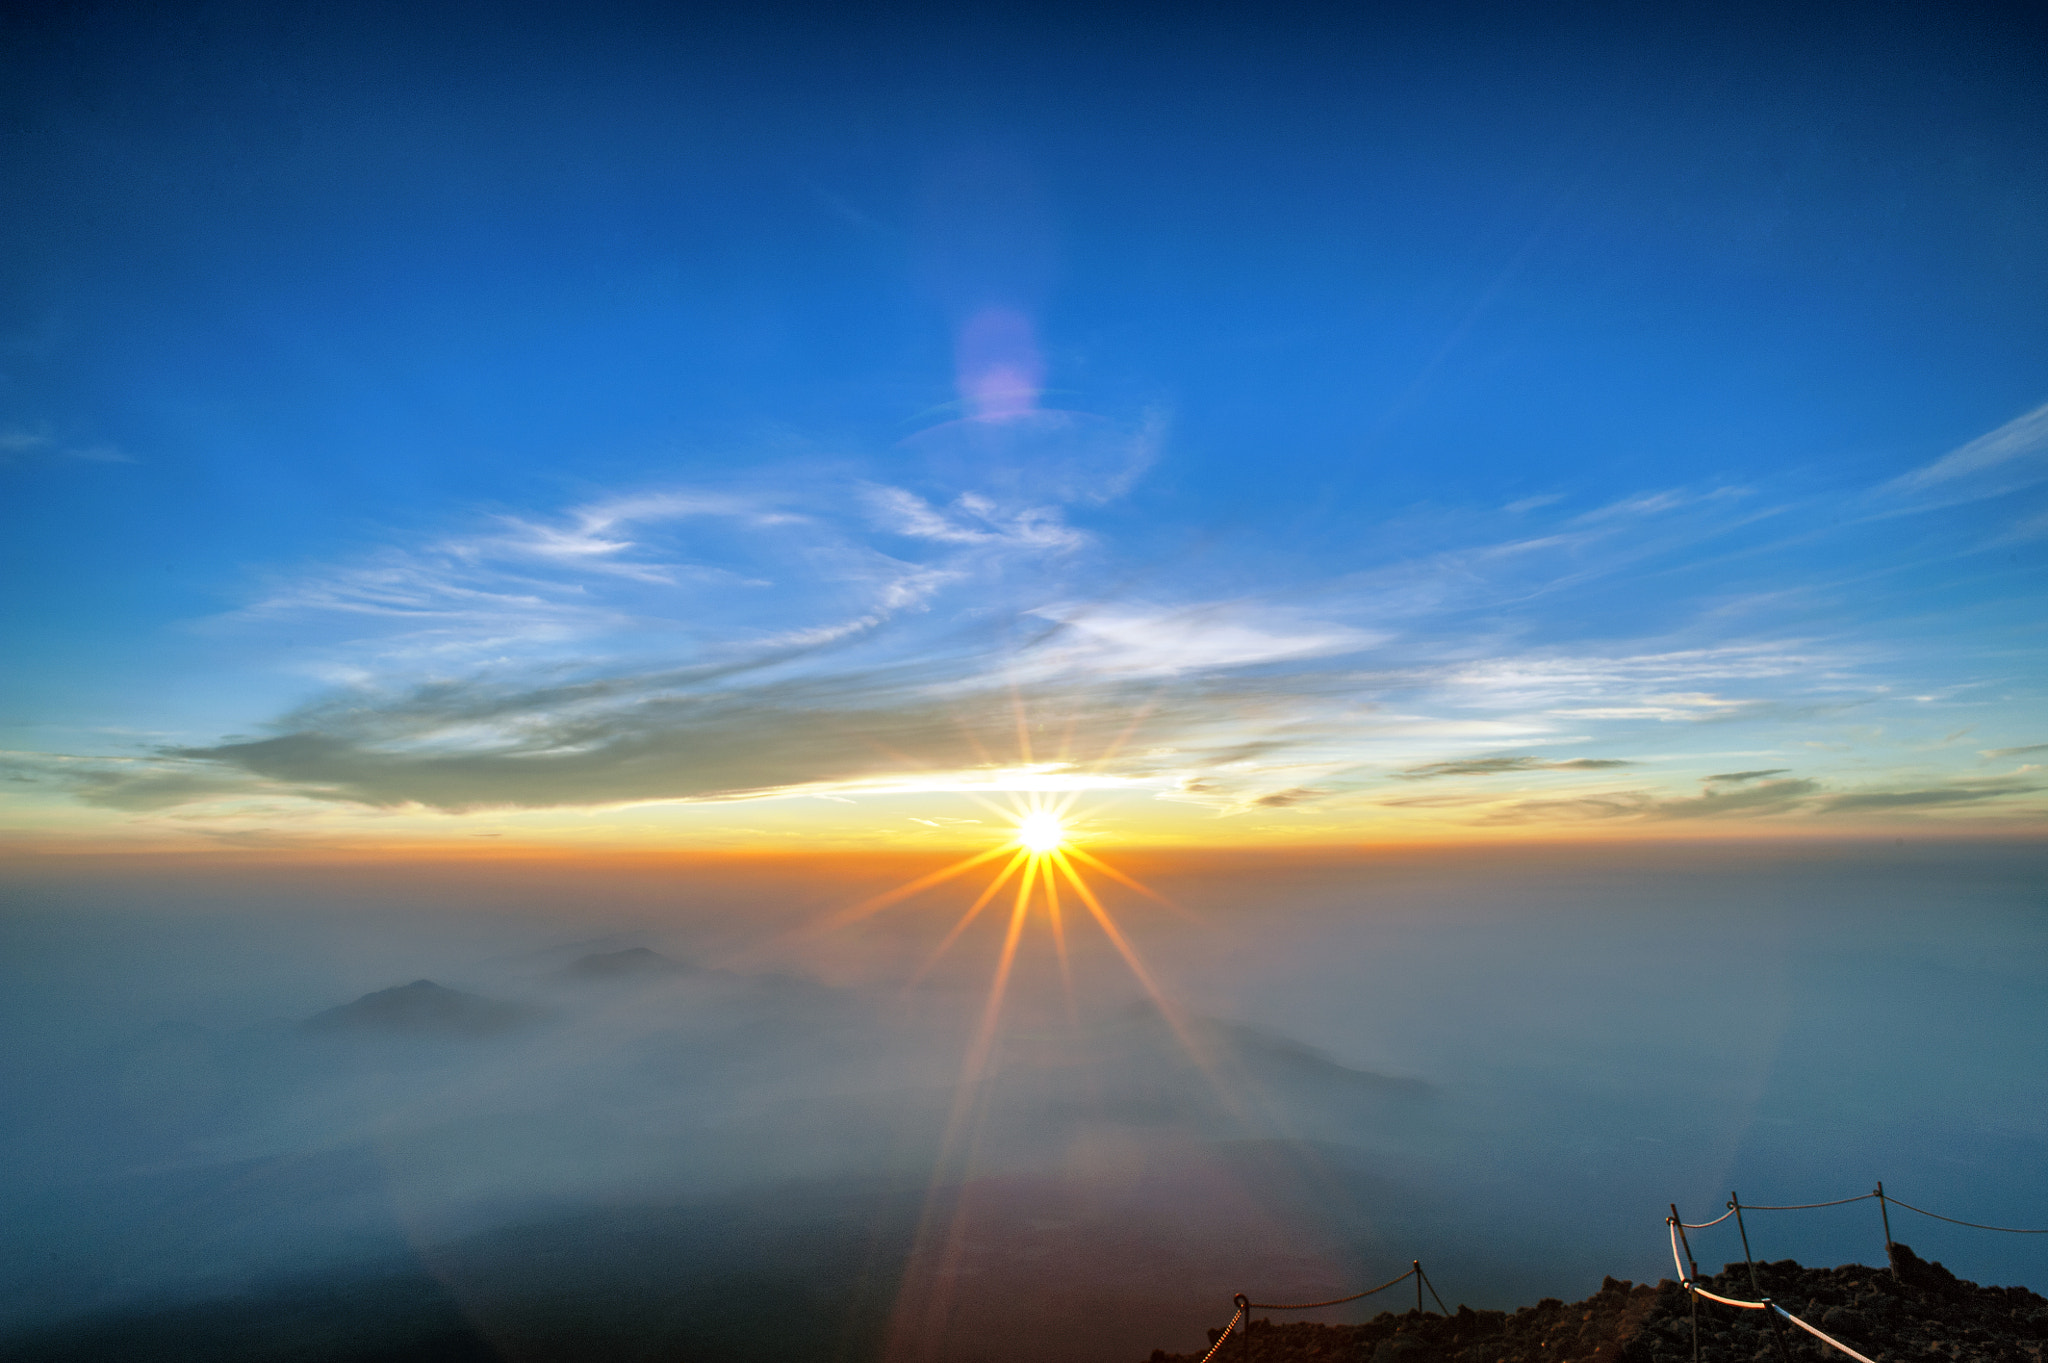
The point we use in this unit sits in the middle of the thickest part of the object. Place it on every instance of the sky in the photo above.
(657, 427)
(1514, 537)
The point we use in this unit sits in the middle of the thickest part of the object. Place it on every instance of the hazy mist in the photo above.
(658, 1091)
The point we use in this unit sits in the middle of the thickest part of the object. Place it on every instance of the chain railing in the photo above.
(1688, 1274)
(1773, 1311)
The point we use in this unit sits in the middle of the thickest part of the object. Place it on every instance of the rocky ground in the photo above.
(1911, 1311)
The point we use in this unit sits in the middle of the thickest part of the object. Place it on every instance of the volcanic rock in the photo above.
(1888, 1316)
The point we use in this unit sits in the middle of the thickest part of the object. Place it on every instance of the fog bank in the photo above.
(640, 1099)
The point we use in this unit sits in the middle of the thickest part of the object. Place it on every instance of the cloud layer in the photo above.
(821, 632)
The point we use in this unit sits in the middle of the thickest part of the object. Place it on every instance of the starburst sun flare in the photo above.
(1041, 869)
(1041, 831)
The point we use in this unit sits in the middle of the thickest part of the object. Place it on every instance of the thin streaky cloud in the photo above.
(973, 520)
(42, 439)
(2024, 438)
(590, 657)
(1501, 766)
(1795, 797)
(1126, 641)
(1656, 503)
(1920, 799)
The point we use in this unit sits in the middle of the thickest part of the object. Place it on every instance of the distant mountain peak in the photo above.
(631, 963)
(422, 1008)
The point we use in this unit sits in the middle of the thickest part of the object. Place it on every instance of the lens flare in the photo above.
(1042, 832)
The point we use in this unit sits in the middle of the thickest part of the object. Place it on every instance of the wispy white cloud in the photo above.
(973, 519)
(1666, 706)
(530, 584)
(2032, 527)
(838, 638)
(20, 441)
(1502, 766)
(2012, 456)
(1644, 504)
(130, 783)
(1723, 799)
(1125, 641)
(101, 454)
(1613, 686)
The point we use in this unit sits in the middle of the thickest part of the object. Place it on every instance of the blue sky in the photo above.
(1321, 424)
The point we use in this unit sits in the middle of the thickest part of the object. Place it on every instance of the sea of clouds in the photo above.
(1504, 1063)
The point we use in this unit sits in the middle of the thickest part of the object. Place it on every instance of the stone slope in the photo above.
(1914, 1310)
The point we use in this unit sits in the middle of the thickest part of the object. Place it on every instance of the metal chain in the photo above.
(1973, 1225)
(1334, 1301)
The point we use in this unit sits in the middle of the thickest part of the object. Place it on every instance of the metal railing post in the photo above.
(1695, 1324)
(1885, 1213)
(1777, 1330)
(1679, 1222)
(1424, 1275)
(1735, 1205)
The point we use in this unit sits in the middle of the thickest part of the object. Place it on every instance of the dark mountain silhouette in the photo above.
(1137, 1068)
(422, 1008)
(634, 963)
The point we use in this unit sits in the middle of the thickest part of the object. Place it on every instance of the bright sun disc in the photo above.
(1041, 832)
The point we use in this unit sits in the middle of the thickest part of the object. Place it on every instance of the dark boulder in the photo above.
(1403, 1348)
(1918, 1272)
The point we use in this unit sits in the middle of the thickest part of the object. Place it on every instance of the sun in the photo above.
(1041, 872)
(1041, 832)
(1040, 865)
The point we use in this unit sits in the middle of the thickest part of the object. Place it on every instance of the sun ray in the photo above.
(1066, 743)
(902, 892)
(973, 912)
(963, 1126)
(969, 733)
(1099, 864)
(1116, 745)
(1059, 946)
(1037, 856)
(1136, 965)
(984, 1036)
(1106, 923)
(990, 805)
(1023, 725)
(1072, 798)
